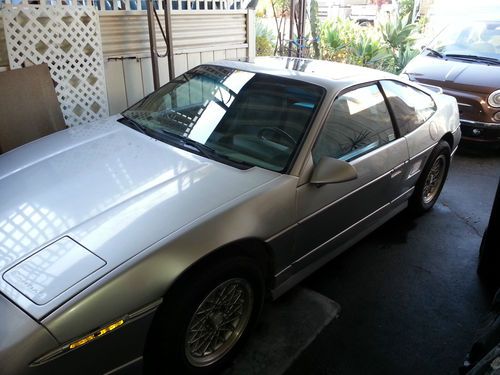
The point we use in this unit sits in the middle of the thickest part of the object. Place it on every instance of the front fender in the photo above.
(261, 214)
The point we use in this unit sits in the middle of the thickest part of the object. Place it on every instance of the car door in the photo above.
(359, 130)
(413, 113)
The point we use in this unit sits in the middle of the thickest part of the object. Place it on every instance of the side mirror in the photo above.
(330, 170)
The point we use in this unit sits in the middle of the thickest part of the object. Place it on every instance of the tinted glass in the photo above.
(241, 116)
(411, 107)
(359, 122)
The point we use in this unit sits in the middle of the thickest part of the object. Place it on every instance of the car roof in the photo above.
(331, 75)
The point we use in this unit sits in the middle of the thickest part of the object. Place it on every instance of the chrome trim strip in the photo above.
(274, 236)
(287, 268)
(464, 104)
(479, 123)
(400, 165)
(402, 195)
(310, 268)
(424, 151)
(341, 233)
(396, 173)
(145, 309)
(410, 175)
(342, 198)
(125, 365)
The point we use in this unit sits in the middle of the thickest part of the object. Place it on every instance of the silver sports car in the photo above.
(156, 234)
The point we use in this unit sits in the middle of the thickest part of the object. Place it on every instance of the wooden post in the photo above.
(251, 34)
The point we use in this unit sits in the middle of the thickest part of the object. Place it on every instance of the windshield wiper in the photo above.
(489, 60)
(200, 148)
(210, 153)
(434, 52)
(132, 123)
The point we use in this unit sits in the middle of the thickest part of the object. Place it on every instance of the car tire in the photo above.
(432, 179)
(203, 322)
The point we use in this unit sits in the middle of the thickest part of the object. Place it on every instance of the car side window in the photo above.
(411, 107)
(358, 123)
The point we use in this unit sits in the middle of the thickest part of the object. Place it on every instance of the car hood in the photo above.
(454, 74)
(99, 193)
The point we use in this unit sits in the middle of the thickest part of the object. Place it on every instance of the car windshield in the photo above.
(480, 40)
(237, 117)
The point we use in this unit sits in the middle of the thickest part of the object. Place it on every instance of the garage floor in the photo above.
(409, 294)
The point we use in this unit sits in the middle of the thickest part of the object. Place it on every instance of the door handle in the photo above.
(395, 173)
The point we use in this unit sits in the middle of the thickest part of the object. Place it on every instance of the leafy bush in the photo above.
(335, 36)
(264, 38)
(315, 28)
(347, 42)
(406, 7)
(367, 51)
(398, 36)
(263, 46)
(389, 47)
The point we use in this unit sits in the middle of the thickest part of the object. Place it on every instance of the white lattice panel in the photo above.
(67, 39)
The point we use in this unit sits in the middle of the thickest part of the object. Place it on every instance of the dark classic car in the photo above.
(464, 60)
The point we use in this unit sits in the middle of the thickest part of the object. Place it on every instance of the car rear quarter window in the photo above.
(358, 123)
(410, 106)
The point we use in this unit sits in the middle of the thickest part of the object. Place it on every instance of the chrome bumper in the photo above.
(479, 124)
(480, 131)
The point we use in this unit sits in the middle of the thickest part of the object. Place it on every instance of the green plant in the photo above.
(406, 7)
(398, 36)
(315, 28)
(263, 46)
(260, 12)
(403, 57)
(264, 38)
(335, 37)
(261, 29)
(398, 31)
(367, 51)
(389, 47)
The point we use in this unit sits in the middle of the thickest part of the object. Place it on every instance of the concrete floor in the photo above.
(410, 297)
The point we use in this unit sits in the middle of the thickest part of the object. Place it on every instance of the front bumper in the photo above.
(485, 132)
(23, 342)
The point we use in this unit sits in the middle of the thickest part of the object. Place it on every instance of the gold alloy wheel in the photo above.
(434, 179)
(218, 322)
